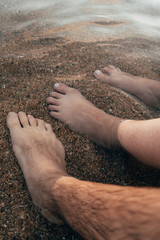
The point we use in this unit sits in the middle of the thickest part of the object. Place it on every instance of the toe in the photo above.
(107, 70)
(55, 115)
(51, 100)
(118, 69)
(13, 121)
(62, 88)
(23, 119)
(100, 76)
(48, 127)
(53, 108)
(56, 95)
(40, 123)
(32, 121)
(112, 67)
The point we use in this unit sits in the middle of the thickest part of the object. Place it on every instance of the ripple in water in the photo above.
(142, 17)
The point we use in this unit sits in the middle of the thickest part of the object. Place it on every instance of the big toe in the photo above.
(100, 76)
(13, 120)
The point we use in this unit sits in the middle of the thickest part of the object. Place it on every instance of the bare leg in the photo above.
(146, 89)
(96, 211)
(101, 211)
(41, 157)
(69, 106)
(140, 138)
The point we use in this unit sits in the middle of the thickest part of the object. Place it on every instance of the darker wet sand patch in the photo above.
(109, 23)
(26, 79)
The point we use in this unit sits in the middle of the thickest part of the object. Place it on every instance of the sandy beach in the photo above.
(31, 61)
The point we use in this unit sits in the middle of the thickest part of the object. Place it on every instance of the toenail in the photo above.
(56, 85)
(98, 72)
(12, 114)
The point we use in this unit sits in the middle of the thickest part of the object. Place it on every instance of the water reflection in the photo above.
(139, 16)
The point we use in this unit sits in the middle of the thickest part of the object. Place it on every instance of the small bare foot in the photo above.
(146, 89)
(41, 156)
(69, 106)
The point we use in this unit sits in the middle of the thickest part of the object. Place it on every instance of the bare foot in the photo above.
(69, 106)
(146, 89)
(41, 156)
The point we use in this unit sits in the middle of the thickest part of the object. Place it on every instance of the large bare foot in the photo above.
(146, 89)
(41, 156)
(69, 106)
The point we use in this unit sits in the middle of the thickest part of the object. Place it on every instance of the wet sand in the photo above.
(31, 61)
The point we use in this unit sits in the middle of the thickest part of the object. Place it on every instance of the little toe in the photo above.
(23, 119)
(40, 124)
(53, 108)
(13, 120)
(55, 115)
(62, 88)
(100, 76)
(51, 100)
(32, 121)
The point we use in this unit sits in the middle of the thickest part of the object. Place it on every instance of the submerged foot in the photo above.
(146, 89)
(41, 156)
(69, 106)
(113, 76)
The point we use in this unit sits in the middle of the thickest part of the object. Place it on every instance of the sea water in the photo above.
(140, 17)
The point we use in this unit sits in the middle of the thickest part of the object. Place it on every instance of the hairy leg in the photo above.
(101, 211)
(96, 211)
(146, 89)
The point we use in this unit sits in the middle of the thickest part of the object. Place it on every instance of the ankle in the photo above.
(121, 132)
(47, 184)
(58, 192)
(114, 125)
(110, 131)
(47, 191)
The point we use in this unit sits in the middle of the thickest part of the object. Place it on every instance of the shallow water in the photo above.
(111, 18)
(33, 58)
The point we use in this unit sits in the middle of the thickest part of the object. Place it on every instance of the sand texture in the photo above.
(30, 63)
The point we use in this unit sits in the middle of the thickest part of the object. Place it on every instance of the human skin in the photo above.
(94, 210)
(140, 138)
(147, 90)
(104, 211)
